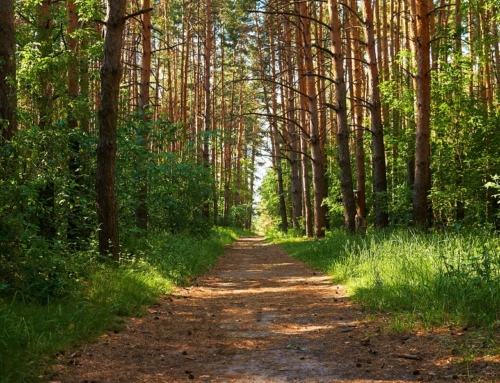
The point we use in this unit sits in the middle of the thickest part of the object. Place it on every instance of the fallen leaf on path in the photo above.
(409, 356)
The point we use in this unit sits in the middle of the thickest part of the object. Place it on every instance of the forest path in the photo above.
(258, 316)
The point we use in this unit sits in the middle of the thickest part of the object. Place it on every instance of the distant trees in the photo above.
(383, 112)
(399, 59)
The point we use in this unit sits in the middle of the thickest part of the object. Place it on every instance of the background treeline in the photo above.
(380, 112)
(185, 142)
(397, 100)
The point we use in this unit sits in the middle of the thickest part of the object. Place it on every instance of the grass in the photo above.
(430, 278)
(32, 333)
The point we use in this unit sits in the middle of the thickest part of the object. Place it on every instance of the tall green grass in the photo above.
(31, 333)
(437, 278)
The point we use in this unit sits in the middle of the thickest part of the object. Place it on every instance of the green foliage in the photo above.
(32, 333)
(177, 186)
(436, 278)
(268, 207)
(495, 184)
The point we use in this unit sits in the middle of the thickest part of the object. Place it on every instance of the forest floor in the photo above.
(260, 316)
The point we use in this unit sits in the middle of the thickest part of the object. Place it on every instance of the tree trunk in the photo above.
(346, 183)
(74, 219)
(379, 166)
(141, 212)
(304, 134)
(227, 156)
(318, 163)
(248, 224)
(290, 122)
(275, 140)
(8, 123)
(111, 71)
(423, 100)
(357, 115)
(239, 146)
(207, 94)
(46, 193)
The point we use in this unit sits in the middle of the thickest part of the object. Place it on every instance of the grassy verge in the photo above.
(433, 278)
(31, 333)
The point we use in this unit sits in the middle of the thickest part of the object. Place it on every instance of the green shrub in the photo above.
(51, 312)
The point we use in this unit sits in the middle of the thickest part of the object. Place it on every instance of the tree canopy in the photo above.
(141, 117)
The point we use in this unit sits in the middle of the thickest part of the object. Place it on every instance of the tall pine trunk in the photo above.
(275, 140)
(379, 166)
(318, 160)
(75, 231)
(423, 101)
(8, 104)
(141, 211)
(289, 114)
(111, 72)
(346, 183)
(357, 115)
(207, 96)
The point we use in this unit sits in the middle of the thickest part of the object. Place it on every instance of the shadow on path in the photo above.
(259, 316)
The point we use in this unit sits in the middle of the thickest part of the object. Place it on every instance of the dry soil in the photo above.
(261, 316)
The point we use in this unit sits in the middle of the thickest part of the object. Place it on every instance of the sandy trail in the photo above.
(259, 316)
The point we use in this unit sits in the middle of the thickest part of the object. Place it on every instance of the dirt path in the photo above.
(260, 316)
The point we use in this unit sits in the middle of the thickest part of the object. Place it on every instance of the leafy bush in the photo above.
(33, 331)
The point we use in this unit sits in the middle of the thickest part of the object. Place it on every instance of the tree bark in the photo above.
(111, 71)
(357, 115)
(74, 219)
(207, 95)
(346, 183)
(44, 103)
(8, 105)
(423, 99)
(318, 163)
(141, 211)
(275, 140)
(295, 183)
(379, 165)
(304, 134)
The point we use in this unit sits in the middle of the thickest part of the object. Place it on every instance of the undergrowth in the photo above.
(33, 331)
(430, 278)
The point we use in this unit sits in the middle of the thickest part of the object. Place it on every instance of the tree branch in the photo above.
(290, 14)
(138, 13)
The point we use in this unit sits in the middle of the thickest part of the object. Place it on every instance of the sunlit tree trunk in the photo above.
(290, 121)
(423, 100)
(185, 53)
(275, 140)
(227, 155)
(239, 148)
(207, 93)
(304, 124)
(111, 71)
(248, 224)
(318, 164)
